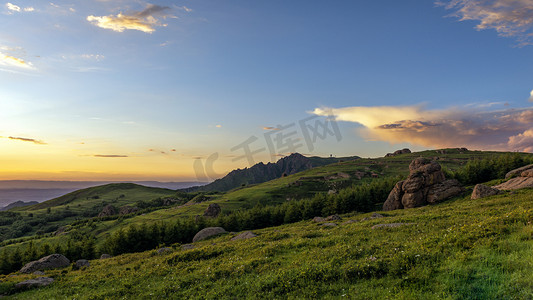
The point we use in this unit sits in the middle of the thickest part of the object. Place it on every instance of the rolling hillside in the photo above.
(461, 249)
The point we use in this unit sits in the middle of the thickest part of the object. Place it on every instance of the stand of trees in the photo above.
(361, 198)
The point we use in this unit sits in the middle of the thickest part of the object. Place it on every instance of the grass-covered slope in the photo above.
(48, 216)
(117, 193)
(461, 249)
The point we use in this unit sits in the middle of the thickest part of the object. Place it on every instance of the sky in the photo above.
(189, 90)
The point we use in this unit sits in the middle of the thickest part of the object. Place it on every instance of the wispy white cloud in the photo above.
(12, 61)
(507, 129)
(510, 18)
(531, 96)
(145, 20)
(15, 8)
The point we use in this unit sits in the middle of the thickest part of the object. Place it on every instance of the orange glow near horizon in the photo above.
(29, 161)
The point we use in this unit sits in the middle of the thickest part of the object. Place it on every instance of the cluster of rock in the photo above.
(212, 211)
(125, 210)
(214, 231)
(398, 152)
(445, 151)
(53, 261)
(425, 184)
(519, 178)
(110, 210)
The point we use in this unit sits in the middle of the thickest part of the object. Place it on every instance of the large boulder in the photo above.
(416, 199)
(82, 263)
(32, 283)
(519, 171)
(481, 191)
(208, 232)
(444, 190)
(515, 184)
(425, 184)
(212, 211)
(394, 201)
(53, 261)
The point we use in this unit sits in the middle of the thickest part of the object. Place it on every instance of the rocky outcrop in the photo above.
(105, 256)
(108, 210)
(318, 219)
(425, 184)
(515, 184)
(445, 190)
(398, 152)
(333, 218)
(518, 172)
(212, 211)
(208, 232)
(244, 236)
(482, 191)
(53, 261)
(524, 179)
(32, 283)
(125, 210)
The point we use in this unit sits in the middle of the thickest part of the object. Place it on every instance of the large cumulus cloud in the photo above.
(506, 129)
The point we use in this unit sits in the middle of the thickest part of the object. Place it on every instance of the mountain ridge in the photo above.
(262, 172)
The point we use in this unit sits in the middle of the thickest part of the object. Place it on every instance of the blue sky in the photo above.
(140, 90)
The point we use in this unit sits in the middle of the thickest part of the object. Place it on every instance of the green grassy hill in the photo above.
(345, 181)
(87, 203)
(460, 249)
(48, 216)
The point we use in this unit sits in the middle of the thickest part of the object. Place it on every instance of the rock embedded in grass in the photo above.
(208, 232)
(81, 263)
(244, 236)
(482, 191)
(32, 283)
(333, 218)
(164, 250)
(53, 261)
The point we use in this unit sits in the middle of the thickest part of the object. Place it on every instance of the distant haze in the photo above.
(37, 190)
